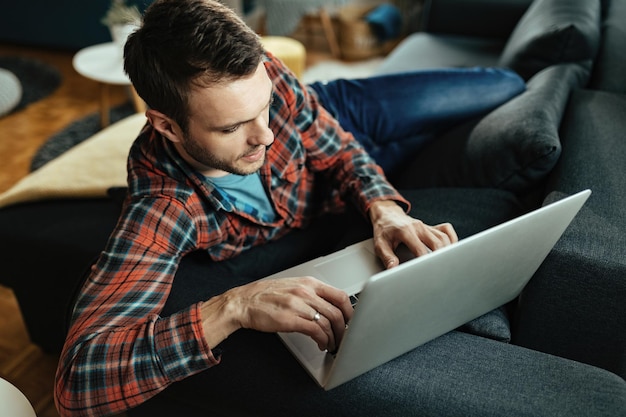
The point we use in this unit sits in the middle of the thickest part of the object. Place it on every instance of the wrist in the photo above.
(378, 209)
(219, 318)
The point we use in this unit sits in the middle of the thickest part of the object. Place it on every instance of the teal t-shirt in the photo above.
(247, 194)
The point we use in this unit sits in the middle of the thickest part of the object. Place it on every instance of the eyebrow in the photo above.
(232, 125)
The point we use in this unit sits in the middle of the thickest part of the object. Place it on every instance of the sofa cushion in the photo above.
(552, 32)
(518, 144)
(454, 375)
(513, 147)
(493, 325)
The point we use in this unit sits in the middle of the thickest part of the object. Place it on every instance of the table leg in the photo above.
(329, 32)
(105, 116)
(140, 105)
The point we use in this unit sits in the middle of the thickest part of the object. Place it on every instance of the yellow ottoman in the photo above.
(288, 50)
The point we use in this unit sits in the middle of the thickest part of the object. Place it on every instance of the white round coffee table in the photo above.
(104, 63)
(12, 402)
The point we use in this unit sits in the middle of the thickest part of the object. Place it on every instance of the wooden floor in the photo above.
(21, 134)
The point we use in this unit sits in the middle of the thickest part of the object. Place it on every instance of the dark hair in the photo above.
(186, 42)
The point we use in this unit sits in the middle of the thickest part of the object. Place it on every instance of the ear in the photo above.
(165, 125)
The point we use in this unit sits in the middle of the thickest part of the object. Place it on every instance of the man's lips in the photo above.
(255, 155)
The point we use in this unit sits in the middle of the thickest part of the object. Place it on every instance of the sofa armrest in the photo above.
(574, 306)
(483, 18)
(46, 247)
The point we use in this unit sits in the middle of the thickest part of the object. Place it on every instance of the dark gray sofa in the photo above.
(573, 112)
(565, 337)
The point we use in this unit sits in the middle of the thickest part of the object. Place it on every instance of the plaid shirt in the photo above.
(119, 352)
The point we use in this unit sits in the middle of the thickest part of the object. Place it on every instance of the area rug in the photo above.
(74, 134)
(82, 129)
(87, 170)
(38, 79)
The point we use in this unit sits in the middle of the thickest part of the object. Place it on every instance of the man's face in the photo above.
(228, 126)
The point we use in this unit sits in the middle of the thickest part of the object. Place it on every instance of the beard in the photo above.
(199, 154)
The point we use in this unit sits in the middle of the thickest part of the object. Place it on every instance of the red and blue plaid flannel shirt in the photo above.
(119, 352)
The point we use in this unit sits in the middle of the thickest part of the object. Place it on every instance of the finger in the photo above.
(315, 330)
(417, 239)
(448, 229)
(434, 238)
(384, 251)
(422, 246)
(326, 306)
(330, 341)
(322, 330)
(336, 299)
(336, 310)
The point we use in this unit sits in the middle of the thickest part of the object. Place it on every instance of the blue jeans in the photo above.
(395, 115)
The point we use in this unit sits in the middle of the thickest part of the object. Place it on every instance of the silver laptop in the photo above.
(423, 298)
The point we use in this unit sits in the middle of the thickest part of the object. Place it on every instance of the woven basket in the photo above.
(356, 38)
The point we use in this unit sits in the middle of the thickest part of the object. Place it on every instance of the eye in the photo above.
(231, 129)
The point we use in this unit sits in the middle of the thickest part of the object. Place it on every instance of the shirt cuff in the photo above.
(181, 345)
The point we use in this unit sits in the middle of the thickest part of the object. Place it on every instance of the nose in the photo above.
(261, 133)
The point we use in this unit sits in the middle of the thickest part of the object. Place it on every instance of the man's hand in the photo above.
(392, 226)
(280, 305)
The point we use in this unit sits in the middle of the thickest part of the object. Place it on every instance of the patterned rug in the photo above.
(74, 134)
(38, 79)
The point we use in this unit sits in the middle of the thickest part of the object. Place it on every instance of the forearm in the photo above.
(365, 182)
(147, 357)
(119, 351)
(330, 150)
(349, 167)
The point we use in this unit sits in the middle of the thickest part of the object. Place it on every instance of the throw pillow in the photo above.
(492, 325)
(518, 144)
(513, 147)
(553, 32)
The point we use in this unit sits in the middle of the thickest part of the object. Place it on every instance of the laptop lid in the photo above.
(421, 299)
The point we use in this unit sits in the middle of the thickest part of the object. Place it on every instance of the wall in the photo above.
(59, 24)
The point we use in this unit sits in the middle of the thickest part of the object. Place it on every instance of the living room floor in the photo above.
(21, 362)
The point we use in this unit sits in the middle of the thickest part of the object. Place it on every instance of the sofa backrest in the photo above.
(610, 65)
(482, 18)
(552, 32)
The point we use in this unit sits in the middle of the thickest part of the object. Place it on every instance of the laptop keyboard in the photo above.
(354, 299)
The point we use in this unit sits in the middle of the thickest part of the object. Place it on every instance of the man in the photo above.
(236, 154)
